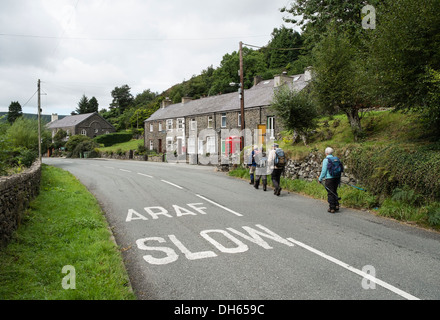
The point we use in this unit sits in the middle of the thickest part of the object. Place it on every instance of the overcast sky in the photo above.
(90, 47)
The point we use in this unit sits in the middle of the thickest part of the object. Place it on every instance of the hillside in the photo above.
(45, 118)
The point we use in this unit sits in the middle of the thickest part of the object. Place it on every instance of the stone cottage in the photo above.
(208, 130)
(88, 124)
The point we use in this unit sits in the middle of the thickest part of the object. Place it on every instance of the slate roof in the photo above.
(69, 121)
(257, 96)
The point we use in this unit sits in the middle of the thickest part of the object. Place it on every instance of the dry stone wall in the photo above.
(16, 192)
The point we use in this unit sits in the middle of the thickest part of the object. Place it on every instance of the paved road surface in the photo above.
(187, 232)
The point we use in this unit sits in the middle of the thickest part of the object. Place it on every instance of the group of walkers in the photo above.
(260, 166)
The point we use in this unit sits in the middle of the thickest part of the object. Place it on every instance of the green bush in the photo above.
(79, 144)
(114, 138)
(386, 170)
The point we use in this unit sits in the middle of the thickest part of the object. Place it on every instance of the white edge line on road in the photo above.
(170, 183)
(357, 271)
(125, 170)
(108, 167)
(219, 205)
(145, 175)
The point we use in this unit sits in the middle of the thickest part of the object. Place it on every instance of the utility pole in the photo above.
(39, 121)
(242, 96)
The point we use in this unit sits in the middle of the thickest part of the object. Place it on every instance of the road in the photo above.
(188, 232)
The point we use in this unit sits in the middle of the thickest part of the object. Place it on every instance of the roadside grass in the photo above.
(424, 214)
(123, 147)
(64, 226)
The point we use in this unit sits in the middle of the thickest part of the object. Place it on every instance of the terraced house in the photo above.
(211, 127)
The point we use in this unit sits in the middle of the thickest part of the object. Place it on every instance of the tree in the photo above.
(403, 51)
(83, 105)
(14, 111)
(295, 110)
(122, 98)
(335, 83)
(93, 105)
(286, 39)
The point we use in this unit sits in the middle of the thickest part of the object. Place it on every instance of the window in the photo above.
(151, 145)
(223, 120)
(160, 126)
(239, 119)
(192, 145)
(271, 127)
(200, 147)
(193, 125)
(210, 122)
(96, 130)
(170, 146)
(180, 124)
(169, 124)
(84, 132)
(151, 127)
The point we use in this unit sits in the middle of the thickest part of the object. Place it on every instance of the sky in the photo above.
(79, 47)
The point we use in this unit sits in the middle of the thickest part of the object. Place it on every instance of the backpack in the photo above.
(280, 158)
(335, 167)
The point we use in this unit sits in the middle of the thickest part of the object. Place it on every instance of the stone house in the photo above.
(88, 124)
(211, 127)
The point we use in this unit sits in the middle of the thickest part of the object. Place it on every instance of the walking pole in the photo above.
(339, 198)
(354, 186)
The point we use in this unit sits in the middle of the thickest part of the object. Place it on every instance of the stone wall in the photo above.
(16, 192)
(310, 168)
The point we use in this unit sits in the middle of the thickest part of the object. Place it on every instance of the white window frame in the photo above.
(181, 124)
(170, 124)
(210, 121)
(191, 145)
(193, 125)
(151, 127)
(225, 120)
(210, 144)
(271, 127)
(160, 126)
(239, 119)
(170, 145)
(83, 132)
(151, 145)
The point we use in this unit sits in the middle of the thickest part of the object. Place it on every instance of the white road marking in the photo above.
(125, 170)
(356, 271)
(170, 183)
(220, 206)
(109, 167)
(145, 175)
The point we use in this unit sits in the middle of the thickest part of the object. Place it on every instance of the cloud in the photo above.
(89, 47)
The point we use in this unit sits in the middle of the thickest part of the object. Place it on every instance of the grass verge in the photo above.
(64, 226)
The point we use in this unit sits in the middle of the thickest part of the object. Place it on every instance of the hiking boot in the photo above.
(337, 208)
(279, 191)
(331, 210)
(264, 187)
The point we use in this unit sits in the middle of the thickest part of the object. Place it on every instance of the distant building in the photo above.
(89, 124)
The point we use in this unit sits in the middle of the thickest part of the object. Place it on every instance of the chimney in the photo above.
(308, 74)
(257, 80)
(186, 100)
(281, 79)
(54, 117)
(166, 103)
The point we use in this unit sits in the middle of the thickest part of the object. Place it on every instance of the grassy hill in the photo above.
(45, 118)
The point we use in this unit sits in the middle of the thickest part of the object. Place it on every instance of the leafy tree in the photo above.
(59, 138)
(14, 111)
(296, 111)
(284, 38)
(335, 83)
(122, 98)
(403, 51)
(23, 133)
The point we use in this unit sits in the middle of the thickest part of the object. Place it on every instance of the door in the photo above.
(261, 134)
(160, 146)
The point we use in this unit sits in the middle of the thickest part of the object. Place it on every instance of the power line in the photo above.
(30, 99)
(266, 48)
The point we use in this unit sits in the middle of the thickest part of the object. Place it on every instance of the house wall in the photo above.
(253, 118)
(94, 126)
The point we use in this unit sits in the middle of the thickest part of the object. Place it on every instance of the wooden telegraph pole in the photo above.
(242, 96)
(39, 121)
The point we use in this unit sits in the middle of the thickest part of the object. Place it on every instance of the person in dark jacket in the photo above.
(252, 165)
